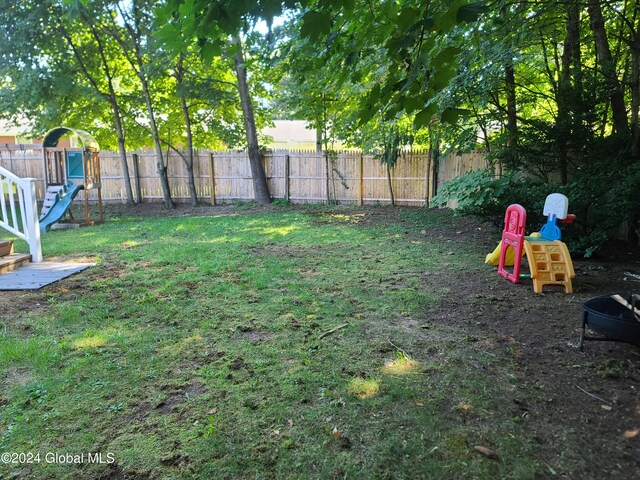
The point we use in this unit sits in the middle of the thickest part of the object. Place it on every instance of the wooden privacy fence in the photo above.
(295, 175)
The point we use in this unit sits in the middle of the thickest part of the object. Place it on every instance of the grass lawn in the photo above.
(202, 347)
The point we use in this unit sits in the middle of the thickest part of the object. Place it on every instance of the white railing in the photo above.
(19, 210)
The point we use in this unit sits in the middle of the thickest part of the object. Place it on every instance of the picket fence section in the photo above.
(297, 175)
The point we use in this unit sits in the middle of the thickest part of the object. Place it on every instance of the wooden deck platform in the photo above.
(37, 275)
(13, 261)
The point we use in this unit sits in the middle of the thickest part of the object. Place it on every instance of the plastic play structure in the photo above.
(549, 259)
(66, 172)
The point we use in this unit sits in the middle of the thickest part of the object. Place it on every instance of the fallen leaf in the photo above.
(608, 408)
(290, 422)
(419, 404)
(337, 433)
(213, 411)
(487, 452)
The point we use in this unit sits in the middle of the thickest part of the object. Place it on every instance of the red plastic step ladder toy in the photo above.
(515, 220)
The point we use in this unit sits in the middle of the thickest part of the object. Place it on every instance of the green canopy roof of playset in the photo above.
(53, 136)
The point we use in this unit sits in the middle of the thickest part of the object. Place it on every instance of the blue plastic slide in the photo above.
(59, 208)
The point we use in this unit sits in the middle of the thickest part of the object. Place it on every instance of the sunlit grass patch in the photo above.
(93, 341)
(400, 365)
(130, 244)
(354, 218)
(464, 406)
(283, 231)
(364, 387)
(187, 344)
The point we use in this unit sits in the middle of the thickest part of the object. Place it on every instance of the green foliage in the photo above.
(315, 24)
(209, 428)
(379, 63)
(600, 211)
(389, 142)
(478, 193)
(605, 197)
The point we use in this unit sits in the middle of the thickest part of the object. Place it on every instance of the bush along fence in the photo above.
(299, 176)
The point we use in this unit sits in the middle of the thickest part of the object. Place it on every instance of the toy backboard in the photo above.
(556, 204)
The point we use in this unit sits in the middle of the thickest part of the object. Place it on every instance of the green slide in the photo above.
(59, 208)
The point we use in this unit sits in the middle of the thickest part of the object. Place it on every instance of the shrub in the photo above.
(604, 195)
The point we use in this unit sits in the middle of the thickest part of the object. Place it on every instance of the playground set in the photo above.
(66, 171)
(548, 256)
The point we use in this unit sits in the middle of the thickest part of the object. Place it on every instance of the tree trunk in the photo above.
(603, 52)
(393, 200)
(123, 158)
(117, 122)
(566, 92)
(512, 113)
(327, 185)
(193, 194)
(133, 53)
(434, 145)
(192, 183)
(319, 138)
(161, 167)
(635, 96)
(260, 187)
(111, 99)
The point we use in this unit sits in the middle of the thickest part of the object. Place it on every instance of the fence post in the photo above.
(287, 173)
(212, 179)
(33, 223)
(427, 192)
(136, 178)
(263, 160)
(326, 171)
(360, 180)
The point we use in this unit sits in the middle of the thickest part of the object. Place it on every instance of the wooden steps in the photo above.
(6, 248)
(9, 261)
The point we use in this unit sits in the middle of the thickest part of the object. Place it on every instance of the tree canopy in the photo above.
(551, 89)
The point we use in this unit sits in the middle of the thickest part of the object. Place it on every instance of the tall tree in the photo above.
(260, 187)
(608, 66)
(569, 87)
(131, 22)
(180, 73)
(221, 30)
(103, 82)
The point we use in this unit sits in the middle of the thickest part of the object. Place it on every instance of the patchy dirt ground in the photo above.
(593, 395)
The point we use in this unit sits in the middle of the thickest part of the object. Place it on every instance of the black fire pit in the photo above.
(611, 319)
